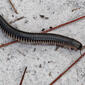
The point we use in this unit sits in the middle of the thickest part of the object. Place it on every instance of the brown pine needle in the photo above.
(23, 76)
(49, 29)
(13, 7)
(61, 25)
(16, 20)
(9, 43)
(76, 61)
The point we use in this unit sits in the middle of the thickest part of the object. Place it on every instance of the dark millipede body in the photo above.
(39, 38)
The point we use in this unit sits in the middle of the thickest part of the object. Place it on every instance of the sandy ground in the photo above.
(43, 62)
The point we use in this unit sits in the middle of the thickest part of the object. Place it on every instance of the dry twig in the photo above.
(76, 61)
(16, 20)
(61, 25)
(9, 43)
(23, 76)
(13, 7)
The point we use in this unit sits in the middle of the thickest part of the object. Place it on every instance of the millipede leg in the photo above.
(57, 47)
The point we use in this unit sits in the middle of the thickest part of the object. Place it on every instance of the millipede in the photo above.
(39, 38)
